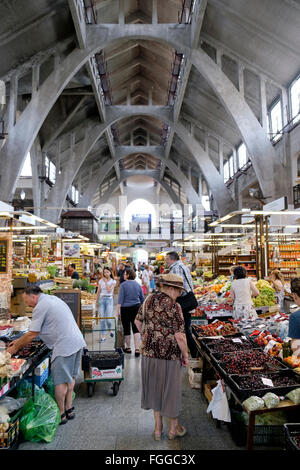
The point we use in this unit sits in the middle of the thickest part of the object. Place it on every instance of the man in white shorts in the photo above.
(54, 323)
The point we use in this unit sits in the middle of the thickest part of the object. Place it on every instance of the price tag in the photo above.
(236, 340)
(244, 337)
(215, 337)
(219, 327)
(261, 326)
(4, 389)
(214, 321)
(277, 316)
(269, 345)
(267, 382)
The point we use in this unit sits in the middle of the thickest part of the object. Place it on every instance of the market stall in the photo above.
(250, 367)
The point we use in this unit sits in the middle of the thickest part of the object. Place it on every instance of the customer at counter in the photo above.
(294, 320)
(242, 290)
(54, 323)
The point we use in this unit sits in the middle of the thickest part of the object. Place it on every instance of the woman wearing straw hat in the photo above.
(164, 352)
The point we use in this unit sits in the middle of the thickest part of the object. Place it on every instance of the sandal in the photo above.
(127, 350)
(70, 413)
(182, 433)
(63, 421)
(157, 436)
(137, 353)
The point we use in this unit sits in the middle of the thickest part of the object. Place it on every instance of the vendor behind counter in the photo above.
(294, 321)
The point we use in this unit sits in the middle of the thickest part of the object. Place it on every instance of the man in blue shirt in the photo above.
(54, 323)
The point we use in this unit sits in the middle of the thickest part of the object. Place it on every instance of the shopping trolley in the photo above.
(101, 365)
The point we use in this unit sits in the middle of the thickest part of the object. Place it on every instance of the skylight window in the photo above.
(295, 100)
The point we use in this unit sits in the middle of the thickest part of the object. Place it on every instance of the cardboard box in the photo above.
(195, 378)
(39, 379)
(40, 369)
(96, 373)
(208, 389)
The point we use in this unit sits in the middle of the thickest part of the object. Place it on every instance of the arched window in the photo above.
(139, 210)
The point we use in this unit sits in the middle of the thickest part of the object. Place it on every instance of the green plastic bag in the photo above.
(49, 387)
(40, 418)
(24, 389)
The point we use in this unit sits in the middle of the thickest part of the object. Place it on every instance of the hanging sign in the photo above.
(71, 250)
(3, 256)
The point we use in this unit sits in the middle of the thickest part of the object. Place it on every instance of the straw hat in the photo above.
(172, 280)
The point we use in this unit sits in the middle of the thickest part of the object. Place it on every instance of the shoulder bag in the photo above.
(188, 302)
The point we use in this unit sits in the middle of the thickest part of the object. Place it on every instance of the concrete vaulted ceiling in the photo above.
(45, 63)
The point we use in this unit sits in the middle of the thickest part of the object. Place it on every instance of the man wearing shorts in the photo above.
(54, 323)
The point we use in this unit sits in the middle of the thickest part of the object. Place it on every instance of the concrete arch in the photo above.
(98, 37)
(115, 185)
(59, 192)
(99, 178)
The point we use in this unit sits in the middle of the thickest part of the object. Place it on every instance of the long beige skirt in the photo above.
(161, 386)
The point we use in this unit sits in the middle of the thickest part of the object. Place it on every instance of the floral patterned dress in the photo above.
(161, 318)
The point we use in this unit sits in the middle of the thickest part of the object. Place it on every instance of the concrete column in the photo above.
(35, 78)
(221, 159)
(190, 174)
(128, 96)
(13, 100)
(58, 162)
(263, 105)
(200, 187)
(219, 54)
(131, 138)
(284, 106)
(154, 12)
(148, 138)
(56, 58)
(192, 128)
(150, 97)
(36, 163)
(206, 143)
(121, 12)
(241, 83)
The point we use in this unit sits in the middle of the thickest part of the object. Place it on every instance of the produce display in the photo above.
(31, 349)
(255, 381)
(266, 295)
(249, 362)
(217, 328)
(271, 343)
(229, 345)
(296, 440)
(6, 370)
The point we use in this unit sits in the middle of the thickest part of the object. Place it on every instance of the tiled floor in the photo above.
(117, 422)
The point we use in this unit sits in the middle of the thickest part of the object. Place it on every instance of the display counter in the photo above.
(215, 367)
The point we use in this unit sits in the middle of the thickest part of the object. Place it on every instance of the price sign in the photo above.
(3, 256)
(267, 382)
(236, 340)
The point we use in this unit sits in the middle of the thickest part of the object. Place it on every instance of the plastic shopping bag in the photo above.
(49, 387)
(219, 404)
(120, 334)
(40, 418)
(24, 389)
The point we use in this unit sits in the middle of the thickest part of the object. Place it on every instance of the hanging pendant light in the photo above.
(22, 194)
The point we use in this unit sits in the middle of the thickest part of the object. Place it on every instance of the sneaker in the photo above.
(111, 335)
(102, 339)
